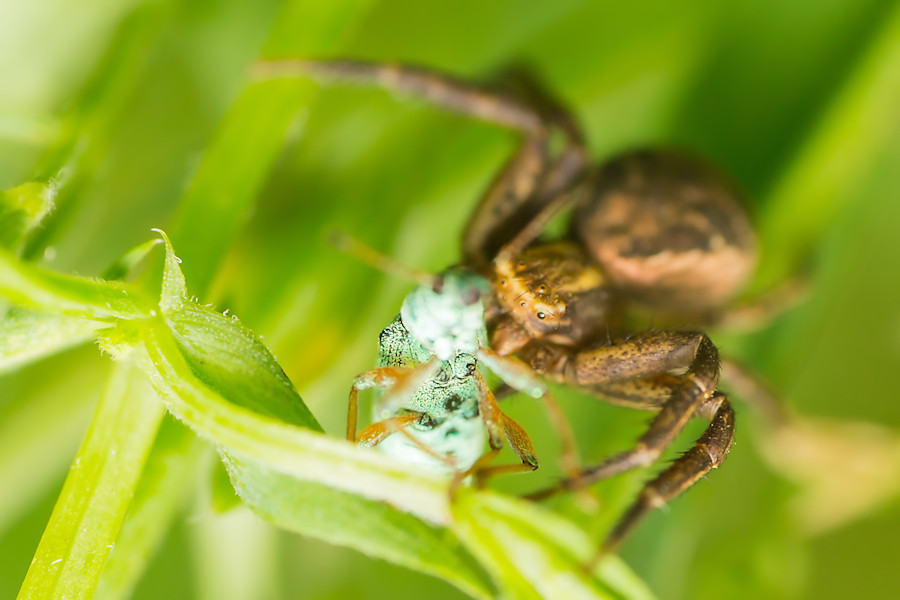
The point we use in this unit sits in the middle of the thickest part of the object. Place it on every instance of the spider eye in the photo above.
(522, 304)
(541, 316)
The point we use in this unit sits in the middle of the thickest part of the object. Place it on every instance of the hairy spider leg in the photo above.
(648, 358)
(529, 179)
(706, 454)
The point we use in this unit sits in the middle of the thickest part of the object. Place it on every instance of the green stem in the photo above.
(168, 478)
(98, 491)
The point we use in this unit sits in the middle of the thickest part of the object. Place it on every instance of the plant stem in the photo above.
(98, 490)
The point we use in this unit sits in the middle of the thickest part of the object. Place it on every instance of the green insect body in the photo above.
(448, 405)
(436, 409)
(448, 316)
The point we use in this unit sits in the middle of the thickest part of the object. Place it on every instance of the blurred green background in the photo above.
(144, 102)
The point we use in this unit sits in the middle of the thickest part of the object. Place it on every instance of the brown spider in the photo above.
(651, 229)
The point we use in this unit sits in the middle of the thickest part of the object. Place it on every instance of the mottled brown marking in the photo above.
(667, 231)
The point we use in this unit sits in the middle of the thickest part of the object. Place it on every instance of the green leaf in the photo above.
(32, 286)
(226, 356)
(278, 462)
(349, 520)
(125, 264)
(534, 553)
(22, 208)
(223, 497)
(97, 492)
(306, 455)
(222, 381)
(40, 431)
(27, 335)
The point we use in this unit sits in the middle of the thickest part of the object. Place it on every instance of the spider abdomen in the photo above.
(667, 231)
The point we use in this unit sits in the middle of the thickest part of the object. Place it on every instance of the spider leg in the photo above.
(440, 89)
(756, 313)
(641, 365)
(747, 385)
(707, 454)
(525, 184)
(523, 197)
(648, 393)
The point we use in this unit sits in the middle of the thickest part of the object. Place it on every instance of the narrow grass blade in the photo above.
(169, 477)
(98, 491)
(861, 123)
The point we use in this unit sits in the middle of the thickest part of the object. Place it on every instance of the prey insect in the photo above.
(437, 409)
(650, 229)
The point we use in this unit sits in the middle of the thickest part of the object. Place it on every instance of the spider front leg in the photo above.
(530, 178)
(643, 363)
(499, 425)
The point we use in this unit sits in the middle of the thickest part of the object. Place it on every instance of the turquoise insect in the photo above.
(436, 409)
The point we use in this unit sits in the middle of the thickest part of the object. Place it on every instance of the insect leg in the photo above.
(499, 425)
(521, 377)
(402, 383)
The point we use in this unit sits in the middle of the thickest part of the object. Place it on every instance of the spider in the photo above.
(652, 230)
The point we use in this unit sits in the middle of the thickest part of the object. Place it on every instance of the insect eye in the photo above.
(427, 421)
(452, 403)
